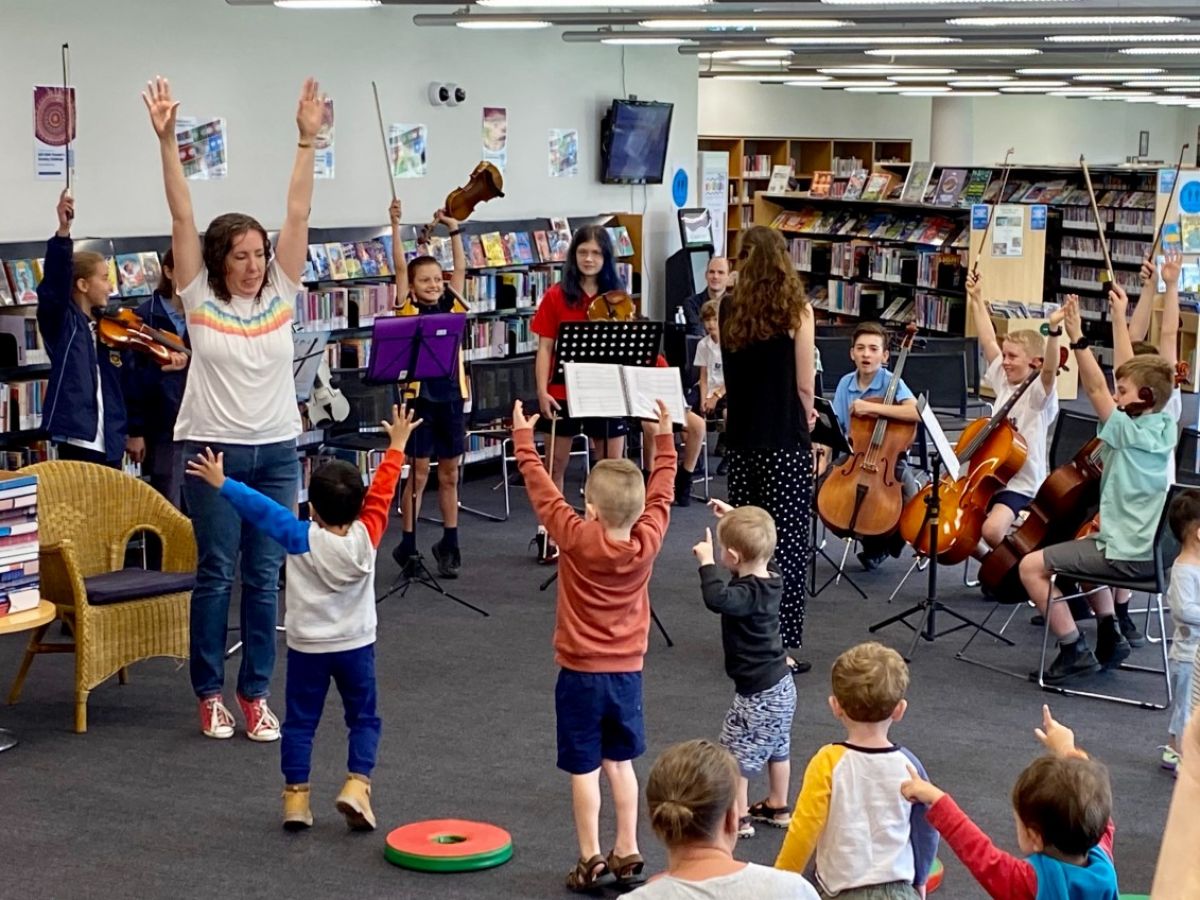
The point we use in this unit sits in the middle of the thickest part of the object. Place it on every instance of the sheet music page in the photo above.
(647, 384)
(940, 442)
(594, 389)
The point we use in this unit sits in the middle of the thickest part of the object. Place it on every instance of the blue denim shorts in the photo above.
(599, 717)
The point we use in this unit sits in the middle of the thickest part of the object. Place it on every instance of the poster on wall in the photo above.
(714, 193)
(495, 136)
(53, 130)
(1008, 229)
(407, 145)
(203, 147)
(564, 152)
(323, 162)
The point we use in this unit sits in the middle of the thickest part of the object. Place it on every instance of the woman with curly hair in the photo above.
(768, 350)
(238, 294)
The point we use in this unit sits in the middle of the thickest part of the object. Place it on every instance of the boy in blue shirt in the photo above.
(1138, 441)
(860, 393)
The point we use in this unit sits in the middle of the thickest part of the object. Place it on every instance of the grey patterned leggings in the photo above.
(781, 482)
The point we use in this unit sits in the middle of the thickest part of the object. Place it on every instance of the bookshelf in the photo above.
(502, 298)
(875, 259)
(752, 158)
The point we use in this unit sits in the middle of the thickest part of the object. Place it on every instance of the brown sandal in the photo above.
(589, 875)
(629, 870)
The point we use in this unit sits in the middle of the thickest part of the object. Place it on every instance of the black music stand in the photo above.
(930, 605)
(405, 349)
(626, 343)
(828, 431)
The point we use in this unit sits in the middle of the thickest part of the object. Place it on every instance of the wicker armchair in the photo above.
(86, 517)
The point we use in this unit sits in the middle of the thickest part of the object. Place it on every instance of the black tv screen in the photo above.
(634, 142)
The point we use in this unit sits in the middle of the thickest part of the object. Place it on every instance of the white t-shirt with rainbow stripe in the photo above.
(240, 388)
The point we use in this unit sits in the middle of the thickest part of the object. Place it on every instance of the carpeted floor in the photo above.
(142, 805)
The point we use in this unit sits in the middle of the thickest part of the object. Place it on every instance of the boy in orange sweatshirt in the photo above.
(600, 635)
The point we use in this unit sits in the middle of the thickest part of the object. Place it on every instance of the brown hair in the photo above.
(1153, 373)
(1184, 515)
(419, 261)
(218, 244)
(166, 287)
(869, 681)
(1028, 340)
(84, 264)
(690, 790)
(710, 310)
(1067, 800)
(616, 489)
(872, 328)
(749, 531)
(1140, 347)
(768, 299)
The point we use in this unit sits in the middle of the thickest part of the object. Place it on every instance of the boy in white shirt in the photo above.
(710, 395)
(1009, 364)
(330, 619)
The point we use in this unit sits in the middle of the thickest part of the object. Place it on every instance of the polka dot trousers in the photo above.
(781, 482)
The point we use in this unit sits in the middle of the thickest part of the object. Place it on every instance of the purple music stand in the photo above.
(405, 349)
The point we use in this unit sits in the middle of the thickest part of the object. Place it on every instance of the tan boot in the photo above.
(354, 802)
(296, 812)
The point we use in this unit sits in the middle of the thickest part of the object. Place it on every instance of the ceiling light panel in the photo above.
(927, 93)
(326, 4)
(1119, 38)
(892, 89)
(482, 23)
(716, 23)
(643, 41)
(1088, 70)
(863, 41)
(1163, 51)
(955, 51)
(586, 4)
(882, 69)
(1155, 83)
(749, 53)
(925, 2)
(1056, 21)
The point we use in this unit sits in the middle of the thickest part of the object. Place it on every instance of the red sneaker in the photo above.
(216, 721)
(261, 724)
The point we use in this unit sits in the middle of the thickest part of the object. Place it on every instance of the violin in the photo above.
(1063, 509)
(123, 329)
(991, 451)
(863, 497)
(612, 306)
(485, 183)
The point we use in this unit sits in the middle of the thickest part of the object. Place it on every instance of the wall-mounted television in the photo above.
(633, 142)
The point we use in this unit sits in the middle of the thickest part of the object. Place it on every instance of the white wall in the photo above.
(743, 108)
(1055, 130)
(247, 64)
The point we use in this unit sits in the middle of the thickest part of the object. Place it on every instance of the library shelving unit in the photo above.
(752, 158)
(502, 298)
(876, 259)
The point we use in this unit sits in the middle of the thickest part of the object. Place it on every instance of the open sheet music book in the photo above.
(606, 391)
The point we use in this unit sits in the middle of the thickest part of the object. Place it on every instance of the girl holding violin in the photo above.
(84, 410)
(421, 290)
(768, 354)
(239, 295)
(155, 393)
(589, 271)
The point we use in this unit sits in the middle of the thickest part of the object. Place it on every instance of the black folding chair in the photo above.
(1071, 432)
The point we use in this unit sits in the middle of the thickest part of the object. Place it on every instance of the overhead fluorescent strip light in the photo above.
(955, 51)
(326, 4)
(711, 23)
(848, 40)
(1047, 21)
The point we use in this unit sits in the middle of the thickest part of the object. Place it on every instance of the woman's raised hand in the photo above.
(161, 105)
(310, 111)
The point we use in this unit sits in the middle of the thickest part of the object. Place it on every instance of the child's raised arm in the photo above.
(984, 329)
(1139, 322)
(1094, 383)
(273, 519)
(1168, 337)
(399, 263)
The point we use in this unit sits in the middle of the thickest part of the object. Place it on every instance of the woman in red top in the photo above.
(589, 270)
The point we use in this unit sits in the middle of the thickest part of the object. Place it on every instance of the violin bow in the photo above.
(1107, 283)
(387, 156)
(1170, 200)
(69, 106)
(991, 209)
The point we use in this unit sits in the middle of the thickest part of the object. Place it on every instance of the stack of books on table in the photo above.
(18, 545)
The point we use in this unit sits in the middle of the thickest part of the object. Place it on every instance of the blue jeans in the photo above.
(273, 470)
(308, 675)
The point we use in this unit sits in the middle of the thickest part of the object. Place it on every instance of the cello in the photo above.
(1064, 508)
(862, 497)
(991, 452)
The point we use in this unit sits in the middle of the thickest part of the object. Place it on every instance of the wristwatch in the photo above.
(1047, 331)
(456, 232)
(1082, 344)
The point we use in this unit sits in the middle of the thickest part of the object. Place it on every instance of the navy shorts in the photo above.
(599, 717)
(1014, 500)
(442, 434)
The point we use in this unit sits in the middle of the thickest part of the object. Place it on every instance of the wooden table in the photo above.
(23, 621)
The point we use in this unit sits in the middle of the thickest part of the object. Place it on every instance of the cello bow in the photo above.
(387, 156)
(1107, 283)
(991, 209)
(1170, 200)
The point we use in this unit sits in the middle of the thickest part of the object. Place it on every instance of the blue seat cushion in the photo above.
(135, 584)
